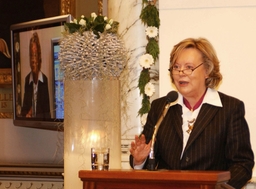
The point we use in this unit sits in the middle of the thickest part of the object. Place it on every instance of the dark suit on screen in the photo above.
(43, 104)
(213, 143)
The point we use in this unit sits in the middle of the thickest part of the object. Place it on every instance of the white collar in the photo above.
(211, 97)
(40, 77)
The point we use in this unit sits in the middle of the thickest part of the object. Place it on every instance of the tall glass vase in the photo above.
(92, 119)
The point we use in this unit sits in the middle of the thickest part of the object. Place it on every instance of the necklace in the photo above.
(190, 125)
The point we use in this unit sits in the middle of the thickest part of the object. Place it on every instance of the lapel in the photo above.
(204, 117)
(176, 120)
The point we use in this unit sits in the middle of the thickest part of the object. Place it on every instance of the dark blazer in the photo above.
(220, 139)
(43, 103)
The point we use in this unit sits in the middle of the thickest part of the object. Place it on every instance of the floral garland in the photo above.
(150, 18)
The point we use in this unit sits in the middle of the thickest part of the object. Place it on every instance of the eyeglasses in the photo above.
(188, 71)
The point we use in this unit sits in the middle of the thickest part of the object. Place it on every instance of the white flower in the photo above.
(82, 22)
(94, 15)
(82, 16)
(105, 18)
(75, 21)
(108, 26)
(149, 89)
(110, 21)
(143, 119)
(151, 31)
(146, 60)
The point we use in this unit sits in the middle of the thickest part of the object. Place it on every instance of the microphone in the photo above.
(170, 98)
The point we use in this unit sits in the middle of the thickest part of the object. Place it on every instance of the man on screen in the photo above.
(36, 98)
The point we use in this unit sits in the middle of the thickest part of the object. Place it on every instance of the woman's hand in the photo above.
(139, 149)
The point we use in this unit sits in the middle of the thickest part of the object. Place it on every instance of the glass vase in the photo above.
(92, 119)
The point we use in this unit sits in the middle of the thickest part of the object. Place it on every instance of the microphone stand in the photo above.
(151, 159)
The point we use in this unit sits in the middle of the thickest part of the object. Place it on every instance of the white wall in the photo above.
(20, 145)
(230, 26)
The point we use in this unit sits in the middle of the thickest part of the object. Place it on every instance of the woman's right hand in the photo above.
(139, 149)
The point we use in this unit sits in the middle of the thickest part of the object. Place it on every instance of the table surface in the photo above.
(159, 175)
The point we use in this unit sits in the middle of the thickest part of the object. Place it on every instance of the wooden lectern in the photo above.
(161, 179)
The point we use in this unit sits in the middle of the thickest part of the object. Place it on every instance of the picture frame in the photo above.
(45, 116)
(6, 96)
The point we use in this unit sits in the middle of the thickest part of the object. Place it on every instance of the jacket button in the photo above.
(187, 159)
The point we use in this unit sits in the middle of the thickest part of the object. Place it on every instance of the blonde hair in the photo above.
(210, 59)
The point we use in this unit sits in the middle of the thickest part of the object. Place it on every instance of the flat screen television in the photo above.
(37, 80)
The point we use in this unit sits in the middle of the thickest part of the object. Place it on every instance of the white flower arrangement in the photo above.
(96, 23)
(92, 49)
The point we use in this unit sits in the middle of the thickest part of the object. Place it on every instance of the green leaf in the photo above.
(72, 27)
(143, 80)
(144, 1)
(114, 27)
(153, 48)
(150, 16)
(145, 105)
(99, 20)
(98, 28)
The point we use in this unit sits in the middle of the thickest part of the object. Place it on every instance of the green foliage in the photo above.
(150, 16)
(98, 25)
(95, 24)
(153, 48)
(72, 27)
(143, 80)
(144, 2)
(145, 105)
(114, 27)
